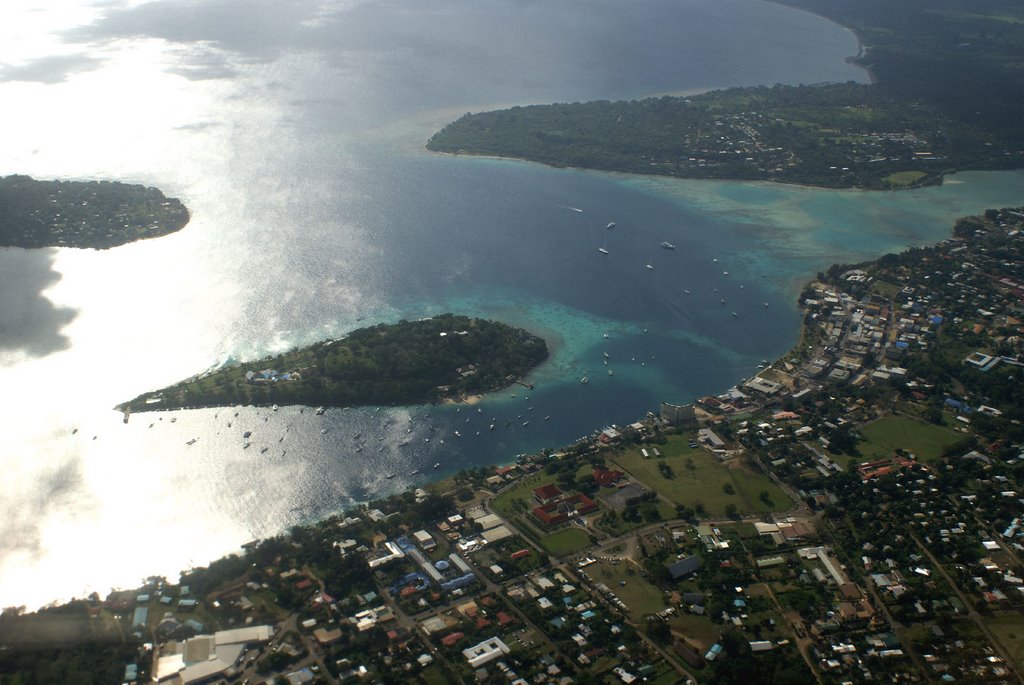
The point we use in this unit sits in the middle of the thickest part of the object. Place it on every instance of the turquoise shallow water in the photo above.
(796, 230)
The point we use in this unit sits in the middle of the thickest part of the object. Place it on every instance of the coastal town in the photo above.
(850, 514)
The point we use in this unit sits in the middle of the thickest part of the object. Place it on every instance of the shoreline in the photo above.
(862, 47)
(710, 179)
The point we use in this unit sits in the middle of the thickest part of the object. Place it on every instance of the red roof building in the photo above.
(451, 638)
(555, 513)
(521, 553)
(548, 493)
(606, 478)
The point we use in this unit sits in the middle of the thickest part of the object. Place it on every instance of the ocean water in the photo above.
(294, 133)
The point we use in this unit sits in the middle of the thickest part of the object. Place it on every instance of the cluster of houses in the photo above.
(268, 376)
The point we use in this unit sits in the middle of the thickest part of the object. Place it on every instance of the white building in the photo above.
(485, 652)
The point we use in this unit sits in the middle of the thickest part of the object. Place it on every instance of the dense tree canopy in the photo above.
(411, 362)
(97, 214)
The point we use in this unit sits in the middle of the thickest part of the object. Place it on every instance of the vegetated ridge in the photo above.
(947, 93)
(411, 362)
(96, 214)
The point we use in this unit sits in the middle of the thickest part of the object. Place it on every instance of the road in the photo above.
(972, 613)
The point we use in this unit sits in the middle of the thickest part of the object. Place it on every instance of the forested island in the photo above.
(411, 362)
(946, 95)
(93, 214)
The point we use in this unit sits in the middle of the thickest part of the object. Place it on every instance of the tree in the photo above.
(659, 631)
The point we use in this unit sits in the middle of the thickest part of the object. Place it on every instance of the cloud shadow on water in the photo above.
(22, 514)
(50, 69)
(30, 324)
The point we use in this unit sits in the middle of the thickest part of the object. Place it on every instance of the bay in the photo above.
(294, 133)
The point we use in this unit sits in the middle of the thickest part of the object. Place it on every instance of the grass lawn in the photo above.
(886, 289)
(639, 596)
(620, 525)
(698, 629)
(926, 440)
(666, 675)
(904, 178)
(519, 498)
(433, 676)
(1009, 630)
(698, 476)
(566, 541)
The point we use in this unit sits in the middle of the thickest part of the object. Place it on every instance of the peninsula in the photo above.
(93, 214)
(945, 96)
(411, 362)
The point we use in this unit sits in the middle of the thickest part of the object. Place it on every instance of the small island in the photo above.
(446, 357)
(90, 214)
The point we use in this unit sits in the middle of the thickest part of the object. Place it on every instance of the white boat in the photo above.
(414, 472)
(735, 314)
(323, 431)
(320, 411)
(649, 266)
(687, 292)
(602, 250)
(389, 475)
(610, 372)
(611, 224)
(668, 246)
(765, 304)
(437, 464)
(491, 427)
(584, 380)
